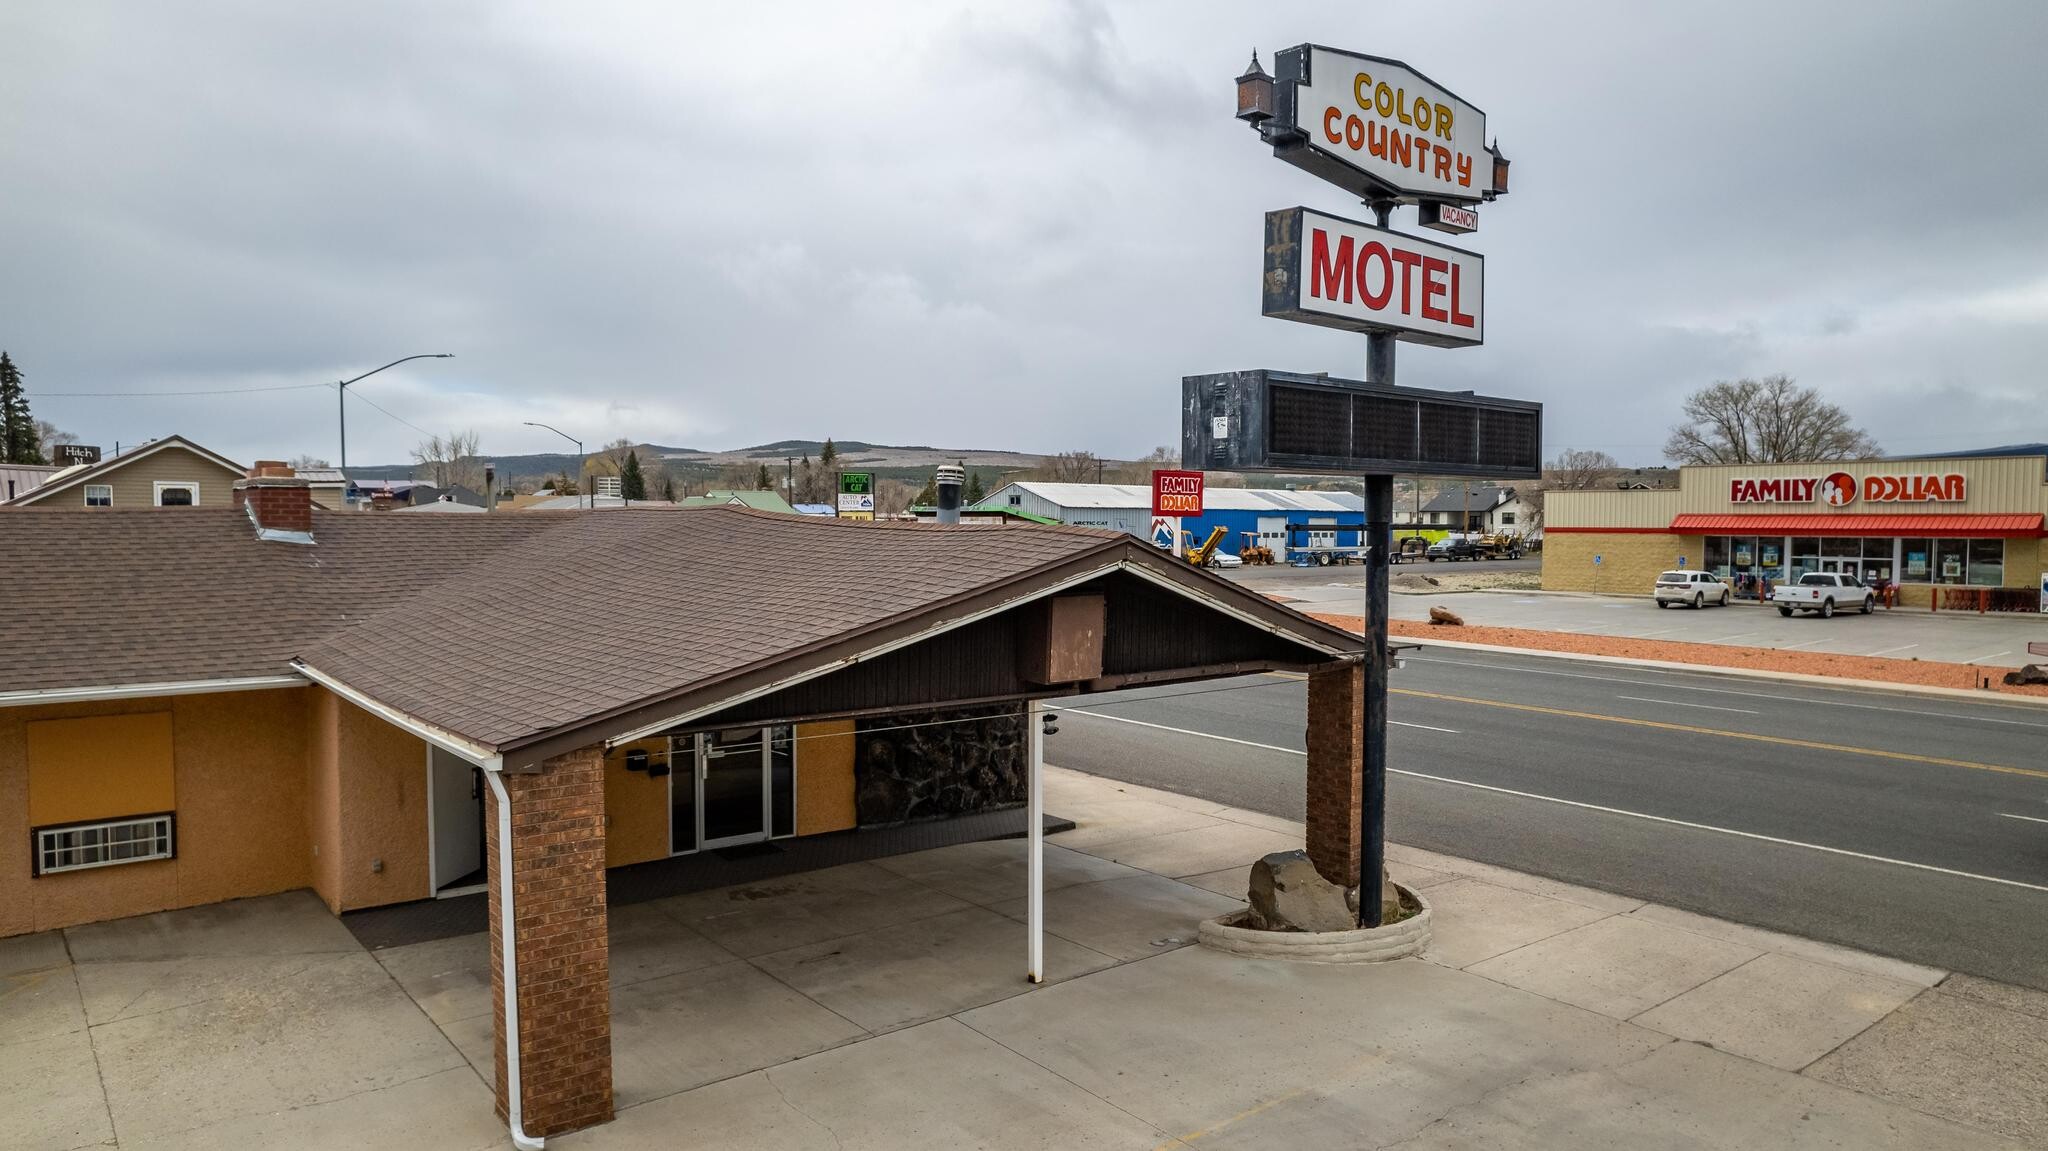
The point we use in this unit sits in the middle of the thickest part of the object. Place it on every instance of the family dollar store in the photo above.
(1958, 532)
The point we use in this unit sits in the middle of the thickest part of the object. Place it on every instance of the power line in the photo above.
(198, 392)
(387, 411)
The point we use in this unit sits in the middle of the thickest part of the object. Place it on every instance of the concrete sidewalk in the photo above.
(880, 1005)
(1947, 637)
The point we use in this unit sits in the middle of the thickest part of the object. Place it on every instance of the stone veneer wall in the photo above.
(914, 766)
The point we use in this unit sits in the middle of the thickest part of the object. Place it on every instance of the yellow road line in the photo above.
(1689, 729)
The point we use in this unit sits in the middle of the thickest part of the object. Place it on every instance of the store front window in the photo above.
(1979, 563)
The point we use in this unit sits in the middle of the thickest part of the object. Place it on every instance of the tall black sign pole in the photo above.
(1372, 730)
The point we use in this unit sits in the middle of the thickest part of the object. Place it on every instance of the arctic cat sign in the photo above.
(1343, 274)
(1379, 128)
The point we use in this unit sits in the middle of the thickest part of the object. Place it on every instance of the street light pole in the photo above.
(571, 439)
(341, 397)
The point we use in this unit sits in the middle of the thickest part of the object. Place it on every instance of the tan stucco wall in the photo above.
(824, 776)
(134, 482)
(636, 806)
(323, 795)
(240, 783)
(1628, 565)
(383, 812)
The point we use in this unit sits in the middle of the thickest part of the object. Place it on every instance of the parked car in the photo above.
(1824, 592)
(1452, 548)
(1694, 587)
(1225, 560)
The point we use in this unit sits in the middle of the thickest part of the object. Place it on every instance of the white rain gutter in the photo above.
(145, 690)
(476, 753)
(508, 921)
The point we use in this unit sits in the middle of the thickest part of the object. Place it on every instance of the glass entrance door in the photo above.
(733, 772)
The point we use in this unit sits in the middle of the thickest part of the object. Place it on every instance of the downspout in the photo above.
(507, 920)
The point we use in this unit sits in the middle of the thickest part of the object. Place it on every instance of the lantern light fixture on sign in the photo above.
(1255, 94)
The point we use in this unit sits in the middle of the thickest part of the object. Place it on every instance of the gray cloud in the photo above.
(984, 225)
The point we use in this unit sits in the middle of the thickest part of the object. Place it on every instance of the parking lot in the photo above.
(1990, 640)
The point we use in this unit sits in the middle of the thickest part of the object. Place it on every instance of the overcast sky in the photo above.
(1004, 225)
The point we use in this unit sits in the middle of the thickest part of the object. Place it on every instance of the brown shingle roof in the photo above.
(501, 628)
(615, 607)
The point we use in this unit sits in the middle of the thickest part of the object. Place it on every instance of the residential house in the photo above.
(1476, 508)
(170, 472)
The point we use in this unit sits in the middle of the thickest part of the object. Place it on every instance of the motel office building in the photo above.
(1961, 532)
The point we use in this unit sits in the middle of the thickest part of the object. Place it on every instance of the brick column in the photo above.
(564, 969)
(1336, 775)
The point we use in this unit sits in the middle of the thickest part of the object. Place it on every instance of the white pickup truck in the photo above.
(1824, 592)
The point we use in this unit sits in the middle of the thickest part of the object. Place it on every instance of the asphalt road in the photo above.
(1912, 826)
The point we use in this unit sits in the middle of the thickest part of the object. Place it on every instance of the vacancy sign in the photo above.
(1176, 493)
(1341, 273)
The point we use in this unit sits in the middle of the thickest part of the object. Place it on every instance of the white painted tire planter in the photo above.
(1363, 945)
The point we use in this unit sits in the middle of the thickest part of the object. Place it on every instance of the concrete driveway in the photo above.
(880, 1005)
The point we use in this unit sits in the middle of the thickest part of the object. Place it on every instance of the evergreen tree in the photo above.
(632, 484)
(19, 440)
(928, 495)
(668, 487)
(762, 480)
(973, 495)
(827, 456)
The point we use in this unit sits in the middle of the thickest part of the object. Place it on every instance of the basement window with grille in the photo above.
(78, 846)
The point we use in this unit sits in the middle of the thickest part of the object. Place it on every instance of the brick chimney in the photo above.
(276, 498)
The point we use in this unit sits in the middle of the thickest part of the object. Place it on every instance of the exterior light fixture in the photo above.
(1500, 171)
(1255, 94)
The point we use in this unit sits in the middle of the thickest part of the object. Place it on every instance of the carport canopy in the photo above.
(620, 624)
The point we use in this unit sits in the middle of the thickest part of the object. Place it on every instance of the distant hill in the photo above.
(911, 462)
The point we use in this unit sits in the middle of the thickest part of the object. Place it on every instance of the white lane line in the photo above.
(1982, 658)
(1722, 830)
(1676, 703)
(1802, 643)
(1889, 650)
(1671, 686)
(1659, 631)
(1226, 738)
(1737, 635)
(2028, 818)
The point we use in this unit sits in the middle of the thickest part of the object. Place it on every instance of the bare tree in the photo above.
(450, 460)
(1576, 470)
(1078, 467)
(892, 497)
(307, 462)
(1140, 471)
(1767, 421)
(48, 436)
(610, 460)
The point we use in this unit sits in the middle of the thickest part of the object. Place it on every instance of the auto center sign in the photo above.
(1176, 493)
(1388, 123)
(1840, 489)
(1342, 273)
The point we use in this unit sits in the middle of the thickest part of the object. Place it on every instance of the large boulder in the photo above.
(2030, 674)
(1288, 894)
(1444, 615)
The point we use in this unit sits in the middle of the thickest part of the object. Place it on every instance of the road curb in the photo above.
(1978, 695)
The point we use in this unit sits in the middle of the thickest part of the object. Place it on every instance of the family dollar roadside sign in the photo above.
(1378, 128)
(856, 495)
(1341, 273)
(1176, 493)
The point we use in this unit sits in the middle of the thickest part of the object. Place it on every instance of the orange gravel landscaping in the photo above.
(1958, 675)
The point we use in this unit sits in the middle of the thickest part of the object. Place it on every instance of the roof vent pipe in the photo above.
(949, 479)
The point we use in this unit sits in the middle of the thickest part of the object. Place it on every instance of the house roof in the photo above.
(758, 500)
(91, 473)
(523, 625)
(1485, 497)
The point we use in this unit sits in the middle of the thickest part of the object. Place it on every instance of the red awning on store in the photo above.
(1952, 526)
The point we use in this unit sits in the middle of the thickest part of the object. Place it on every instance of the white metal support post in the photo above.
(1034, 837)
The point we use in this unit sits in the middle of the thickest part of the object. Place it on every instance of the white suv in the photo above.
(1697, 588)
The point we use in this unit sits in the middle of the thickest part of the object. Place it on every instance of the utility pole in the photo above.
(1372, 732)
(341, 396)
(789, 478)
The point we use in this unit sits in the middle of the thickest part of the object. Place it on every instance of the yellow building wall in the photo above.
(1629, 562)
(323, 796)
(636, 809)
(383, 812)
(824, 776)
(239, 786)
(99, 767)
